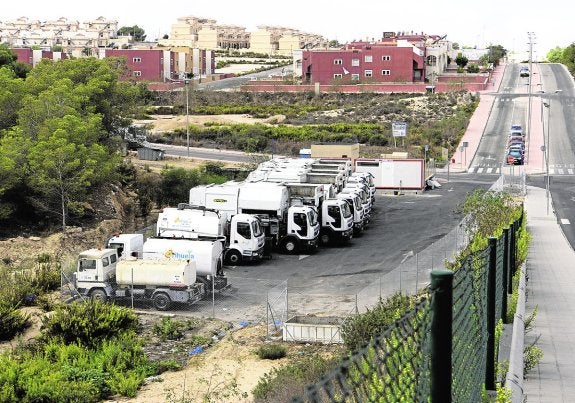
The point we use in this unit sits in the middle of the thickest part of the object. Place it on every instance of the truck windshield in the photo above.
(256, 228)
(312, 217)
(346, 210)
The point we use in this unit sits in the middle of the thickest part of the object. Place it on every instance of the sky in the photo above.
(471, 24)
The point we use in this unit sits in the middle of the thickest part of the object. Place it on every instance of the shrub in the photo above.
(282, 384)
(88, 323)
(271, 351)
(12, 321)
(360, 329)
(169, 329)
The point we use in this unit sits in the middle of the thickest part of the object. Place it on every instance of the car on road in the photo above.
(516, 130)
(514, 157)
(524, 72)
(519, 147)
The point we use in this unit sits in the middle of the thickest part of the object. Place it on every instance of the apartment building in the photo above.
(395, 58)
(205, 33)
(74, 38)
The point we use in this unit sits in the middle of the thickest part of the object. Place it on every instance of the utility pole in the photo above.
(531, 36)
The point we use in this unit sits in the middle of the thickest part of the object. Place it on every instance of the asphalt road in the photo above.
(328, 281)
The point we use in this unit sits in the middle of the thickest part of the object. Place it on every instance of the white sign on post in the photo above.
(399, 129)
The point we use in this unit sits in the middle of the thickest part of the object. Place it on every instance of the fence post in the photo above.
(441, 335)
(505, 274)
(491, 284)
(512, 250)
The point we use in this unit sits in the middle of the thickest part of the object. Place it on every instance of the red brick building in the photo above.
(396, 61)
(147, 64)
(34, 56)
(151, 65)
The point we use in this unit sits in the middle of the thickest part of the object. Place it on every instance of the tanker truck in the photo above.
(207, 255)
(100, 275)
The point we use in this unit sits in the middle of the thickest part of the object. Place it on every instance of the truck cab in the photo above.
(354, 202)
(336, 221)
(96, 272)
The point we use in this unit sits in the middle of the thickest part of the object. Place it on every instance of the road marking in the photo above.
(301, 257)
(565, 221)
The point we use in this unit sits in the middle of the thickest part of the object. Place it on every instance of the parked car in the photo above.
(515, 157)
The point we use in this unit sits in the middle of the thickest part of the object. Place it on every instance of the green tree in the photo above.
(11, 93)
(135, 31)
(13, 152)
(461, 60)
(66, 161)
(9, 58)
(555, 55)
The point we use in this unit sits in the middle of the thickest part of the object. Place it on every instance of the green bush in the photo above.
(169, 329)
(271, 351)
(89, 322)
(282, 384)
(358, 330)
(12, 321)
(56, 372)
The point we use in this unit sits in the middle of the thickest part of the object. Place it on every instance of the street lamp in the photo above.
(186, 81)
(547, 105)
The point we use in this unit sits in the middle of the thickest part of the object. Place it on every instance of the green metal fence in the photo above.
(441, 351)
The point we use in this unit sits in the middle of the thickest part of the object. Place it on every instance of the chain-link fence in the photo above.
(444, 349)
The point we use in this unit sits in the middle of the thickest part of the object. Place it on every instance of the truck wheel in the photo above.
(162, 302)
(325, 239)
(98, 295)
(289, 245)
(234, 257)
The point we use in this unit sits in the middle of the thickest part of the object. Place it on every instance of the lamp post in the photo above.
(547, 105)
(186, 81)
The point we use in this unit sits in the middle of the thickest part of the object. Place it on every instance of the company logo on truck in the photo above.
(171, 254)
(219, 200)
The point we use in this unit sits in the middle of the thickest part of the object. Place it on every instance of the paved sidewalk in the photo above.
(550, 270)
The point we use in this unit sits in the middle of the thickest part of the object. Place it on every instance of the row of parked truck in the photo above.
(289, 205)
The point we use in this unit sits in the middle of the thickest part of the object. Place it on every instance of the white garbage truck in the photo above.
(243, 232)
(288, 228)
(101, 275)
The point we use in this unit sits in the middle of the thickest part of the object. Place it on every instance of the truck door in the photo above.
(334, 217)
(243, 238)
(300, 219)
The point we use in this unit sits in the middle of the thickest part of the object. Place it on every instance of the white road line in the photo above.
(565, 221)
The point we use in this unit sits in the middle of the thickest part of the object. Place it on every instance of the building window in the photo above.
(355, 77)
(369, 73)
(368, 58)
(137, 73)
(337, 75)
(385, 72)
(385, 58)
(355, 62)
(137, 60)
(337, 61)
